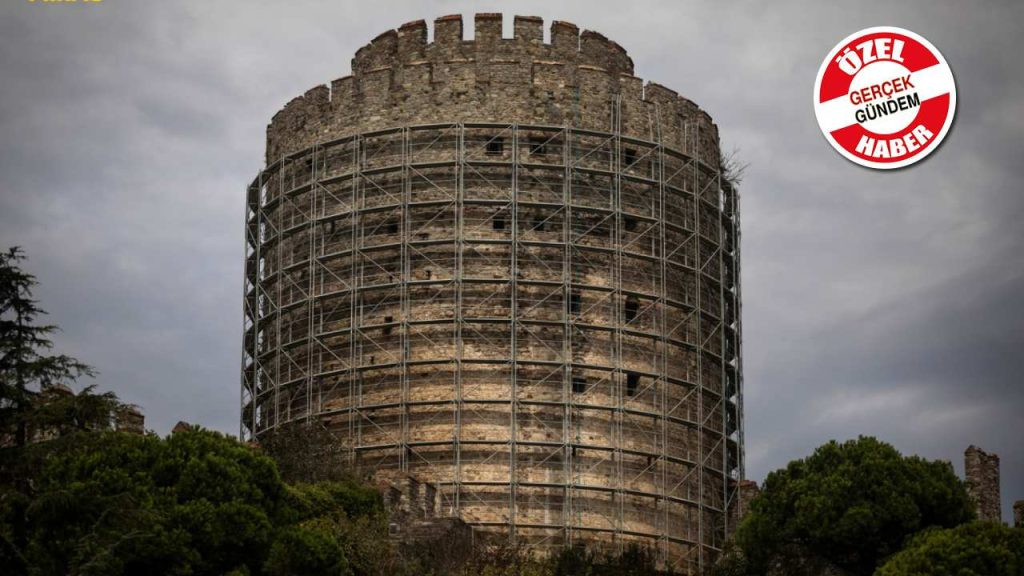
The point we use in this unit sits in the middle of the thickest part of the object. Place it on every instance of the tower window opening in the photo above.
(628, 157)
(630, 309)
(392, 228)
(574, 303)
(537, 222)
(387, 329)
(538, 147)
(499, 222)
(496, 146)
(632, 380)
(629, 223)
(579, 384)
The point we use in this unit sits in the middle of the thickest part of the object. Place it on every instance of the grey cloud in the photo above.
(883, 304)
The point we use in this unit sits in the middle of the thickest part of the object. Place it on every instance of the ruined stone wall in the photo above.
(982, 475)
(130, 419)
(748, 490)
(508, 270)
(1018, 514)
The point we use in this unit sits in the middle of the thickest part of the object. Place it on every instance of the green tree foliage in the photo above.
(352, 498)
(578, 561)
(110, 503)
(307, 551)
(974, 549)
(364, 542)
(25, 365)
(352, 515)
(571, 561)
(307, 452)
(63, 413)
(848, 505)
(197, 502)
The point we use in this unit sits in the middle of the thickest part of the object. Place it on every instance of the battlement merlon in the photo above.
(409, 43)
(400, 78)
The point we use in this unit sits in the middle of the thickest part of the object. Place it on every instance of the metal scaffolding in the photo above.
(543, 322)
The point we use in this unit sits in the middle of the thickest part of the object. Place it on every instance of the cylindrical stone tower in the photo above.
(510, 269)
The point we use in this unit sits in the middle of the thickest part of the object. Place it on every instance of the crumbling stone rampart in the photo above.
(982, 475)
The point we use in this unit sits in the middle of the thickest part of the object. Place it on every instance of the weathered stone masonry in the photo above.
(981, 470)
(400, 79)
(510, 270)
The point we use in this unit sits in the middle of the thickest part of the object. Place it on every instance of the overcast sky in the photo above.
(882, 303)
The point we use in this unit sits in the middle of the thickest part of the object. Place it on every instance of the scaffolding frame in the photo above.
(409, 286)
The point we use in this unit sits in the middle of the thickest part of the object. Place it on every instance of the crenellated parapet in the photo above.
(578, 79)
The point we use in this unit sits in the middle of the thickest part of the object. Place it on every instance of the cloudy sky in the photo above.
(883, 303)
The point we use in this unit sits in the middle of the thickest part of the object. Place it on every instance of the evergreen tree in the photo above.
(974, 549)
(26, 367)
(846, 508)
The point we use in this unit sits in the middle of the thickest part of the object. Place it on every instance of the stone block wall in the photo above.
(130, 419)
(982, 475)
(579, 79)
(748, 490)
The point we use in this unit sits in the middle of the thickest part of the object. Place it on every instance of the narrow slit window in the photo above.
(387, 329)
(631, 308)
(628, 157)
(632, 381)
(579, 384)
(537, 222)
(496, 146)
(574, 303)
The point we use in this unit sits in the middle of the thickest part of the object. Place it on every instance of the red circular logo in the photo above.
(884, 97)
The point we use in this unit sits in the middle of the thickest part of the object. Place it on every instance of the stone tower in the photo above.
(507, 268)
(981, 470)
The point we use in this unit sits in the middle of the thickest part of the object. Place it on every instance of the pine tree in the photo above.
(26, 368)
